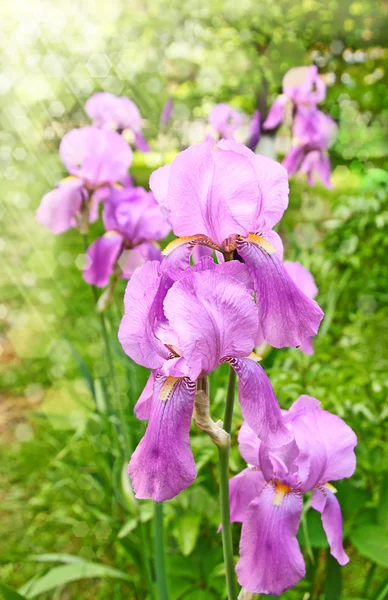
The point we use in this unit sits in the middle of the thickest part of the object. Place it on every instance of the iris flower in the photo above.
(117, 112)
(313, 132)
(95, 159)
(133, 222)
(267, 496)
(302, 86)
(228, 198)
(183, 322)
(225, 120)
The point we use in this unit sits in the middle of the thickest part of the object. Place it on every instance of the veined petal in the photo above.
(163, 464)
(324, 501)
(326, 444)
(58, 208)
(243, 488)
(103, 254)
(302, 277)
(272, 180)
(213, 316)
(144, 404)
(249, 445)
(95, 155)
(287, 316)
(212, 192)
(259, 405)
(143, 302)
(270, 558)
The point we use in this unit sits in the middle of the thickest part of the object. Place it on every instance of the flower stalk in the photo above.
(159, 552)
(223, 466)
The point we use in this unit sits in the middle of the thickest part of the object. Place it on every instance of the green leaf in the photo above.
(316, 535)
(186, 532)
(83, 369)
(127, 528)
(6, 593)
(63, 558)
(372, 542)
(59, 576)
(382, 509)
(122, 485)
(333, 581)
(382, 592)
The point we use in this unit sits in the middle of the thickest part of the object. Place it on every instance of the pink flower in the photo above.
(228, 198)
(94, 158)
(267, 496)
(225, 120)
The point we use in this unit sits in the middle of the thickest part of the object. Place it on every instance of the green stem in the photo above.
(160, 565)
(223, 465)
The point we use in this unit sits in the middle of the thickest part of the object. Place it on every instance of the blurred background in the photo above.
(65, 501)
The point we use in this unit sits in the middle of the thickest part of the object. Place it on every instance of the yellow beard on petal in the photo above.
(330, 487)
(263, 243)
(281, 490)
(167, 388)
(197, 239)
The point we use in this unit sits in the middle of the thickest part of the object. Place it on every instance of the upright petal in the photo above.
(225, 120)
(213, 316)
(270, 558)
(143, 302)
(243, 488)
(159, 182)
(103, 254)
(163, 464)
(259, 405)
(59, 207)
(276, 113)
(287, 315)
(95, 155)
(326, 444)
(272, 180)
(324, 501)
(212, 192)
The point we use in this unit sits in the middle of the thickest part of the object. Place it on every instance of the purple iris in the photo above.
(95, 159)
(305, 282)
(228, 198)
(312, 133)
(302, 86)
(119, 113)
(267, 496)
(254, 131)
(225, 120)
(166, 113)
(182, 322)
(133, 222)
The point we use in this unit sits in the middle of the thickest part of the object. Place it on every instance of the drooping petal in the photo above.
(249, 445)
(144, 404)
(276, 113)
(325, 502)
(213, 316)
(243, 488)
(270, 558)
(272, 181)
(143, 302)
(326, 444)
(163, 464)
(103, 254)
(212, 192)
(287, 315)
(293, 159)
(259, 405)
(133, 258)
(58, 208)
(318, 162)
(302, 277)
(95, 155)
(254, 131)
(307, 347)
(140, 142)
